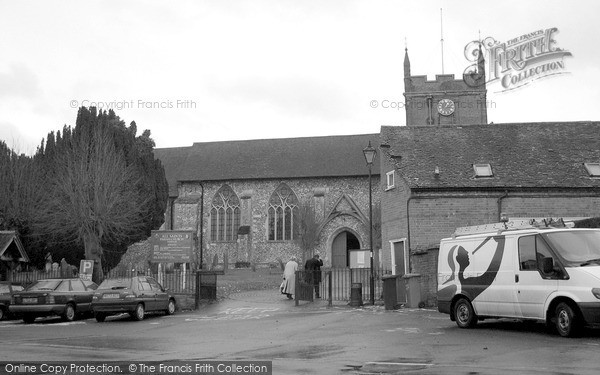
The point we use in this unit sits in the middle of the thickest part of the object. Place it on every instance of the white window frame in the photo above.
(391, 175)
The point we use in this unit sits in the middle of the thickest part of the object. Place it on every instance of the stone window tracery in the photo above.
(224, 215)
(283, 214)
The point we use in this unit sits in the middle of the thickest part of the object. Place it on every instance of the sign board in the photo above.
(360, 258)
(86, 268)
(172, 246)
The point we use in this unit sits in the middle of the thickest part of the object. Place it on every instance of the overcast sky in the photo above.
(198, 71)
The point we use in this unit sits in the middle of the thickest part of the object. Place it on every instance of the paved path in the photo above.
(273, 298)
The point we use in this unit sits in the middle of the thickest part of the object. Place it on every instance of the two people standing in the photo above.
(312, 269)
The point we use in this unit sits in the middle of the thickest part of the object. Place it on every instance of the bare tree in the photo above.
(90, 195)
(308, 227)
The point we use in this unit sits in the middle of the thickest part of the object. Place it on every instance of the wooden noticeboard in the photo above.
(172, 246)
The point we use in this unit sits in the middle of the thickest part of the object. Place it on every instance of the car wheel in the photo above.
(138, 313)
(100, 317)
(464, 313)
(2, 313)
(567, 321)
(69, 314)
(28, 319)
(170, 307)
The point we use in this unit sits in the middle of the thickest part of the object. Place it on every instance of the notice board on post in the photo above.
(172, 246)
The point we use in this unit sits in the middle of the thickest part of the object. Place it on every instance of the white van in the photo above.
(521, 270)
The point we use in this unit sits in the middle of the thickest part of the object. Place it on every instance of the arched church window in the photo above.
(224, 215)
(283, 214)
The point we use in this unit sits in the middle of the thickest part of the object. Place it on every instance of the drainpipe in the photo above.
(201, 224)
(499, 202)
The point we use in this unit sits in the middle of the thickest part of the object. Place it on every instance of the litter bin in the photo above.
(390, 293)
(413, 289)
(356, 294)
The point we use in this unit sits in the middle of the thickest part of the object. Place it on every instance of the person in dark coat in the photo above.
(313, 272)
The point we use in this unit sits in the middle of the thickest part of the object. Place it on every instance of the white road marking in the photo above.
(404, 329)
(239, 313)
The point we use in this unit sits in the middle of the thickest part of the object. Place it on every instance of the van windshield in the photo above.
(581, 248)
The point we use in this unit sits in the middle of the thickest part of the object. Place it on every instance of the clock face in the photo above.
(446, 107)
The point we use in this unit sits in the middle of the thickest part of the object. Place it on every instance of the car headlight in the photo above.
(596, 292)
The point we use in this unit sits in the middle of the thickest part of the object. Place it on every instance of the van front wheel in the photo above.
(567, 321)
(464, 314)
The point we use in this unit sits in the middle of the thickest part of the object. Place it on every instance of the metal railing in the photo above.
(176, 281)
(336, 283)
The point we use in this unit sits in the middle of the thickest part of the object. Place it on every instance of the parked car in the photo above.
(134, 295)
(7, 288)
(67, 298)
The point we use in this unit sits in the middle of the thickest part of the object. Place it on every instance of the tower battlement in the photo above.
(445, 100)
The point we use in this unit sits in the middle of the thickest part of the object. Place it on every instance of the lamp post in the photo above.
(370, 153)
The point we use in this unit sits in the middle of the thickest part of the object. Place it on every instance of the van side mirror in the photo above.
(547, 265)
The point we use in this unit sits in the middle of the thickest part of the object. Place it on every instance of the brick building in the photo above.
(442, 173)
(243, 198)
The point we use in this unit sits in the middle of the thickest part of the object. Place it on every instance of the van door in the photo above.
(490, 274)
(532, 286)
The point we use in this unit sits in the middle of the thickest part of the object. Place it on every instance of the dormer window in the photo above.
(593, 169)
(483, 170)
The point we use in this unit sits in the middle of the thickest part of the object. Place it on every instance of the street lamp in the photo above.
(370, 153)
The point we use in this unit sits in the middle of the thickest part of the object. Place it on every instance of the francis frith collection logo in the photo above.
(518, 61)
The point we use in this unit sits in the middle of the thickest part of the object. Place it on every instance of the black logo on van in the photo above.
(472, 286)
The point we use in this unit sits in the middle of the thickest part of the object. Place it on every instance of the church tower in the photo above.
(446, 101)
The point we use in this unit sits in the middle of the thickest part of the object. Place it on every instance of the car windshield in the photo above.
(45, 285)
(577, 247)
(115, 284)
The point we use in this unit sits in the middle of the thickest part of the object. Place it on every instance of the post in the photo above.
(197, 295)
(296, 288)
(372, 291)
(369, 153)
(329, 288)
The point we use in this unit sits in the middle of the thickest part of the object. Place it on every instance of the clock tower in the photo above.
(445, 101)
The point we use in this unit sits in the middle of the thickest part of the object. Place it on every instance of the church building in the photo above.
(247, 201)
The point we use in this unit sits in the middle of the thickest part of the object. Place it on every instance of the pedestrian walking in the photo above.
(288, 285)
(313, 272)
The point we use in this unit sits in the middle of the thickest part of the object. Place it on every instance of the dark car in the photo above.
(134, 295)
(67, 298)
(7, 288)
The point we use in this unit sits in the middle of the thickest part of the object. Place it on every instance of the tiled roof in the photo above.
(331, 156)
(522, 155)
